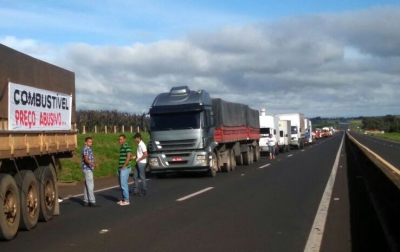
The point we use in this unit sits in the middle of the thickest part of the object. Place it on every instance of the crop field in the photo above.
(106, 152)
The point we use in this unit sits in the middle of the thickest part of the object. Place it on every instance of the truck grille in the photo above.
(176, 144)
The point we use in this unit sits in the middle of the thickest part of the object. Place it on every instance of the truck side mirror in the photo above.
(211, 118)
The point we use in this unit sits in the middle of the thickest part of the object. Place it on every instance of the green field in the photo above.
(105, 149)
(389, 136)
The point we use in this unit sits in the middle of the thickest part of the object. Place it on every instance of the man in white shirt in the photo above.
(271, 145)
(141, 162)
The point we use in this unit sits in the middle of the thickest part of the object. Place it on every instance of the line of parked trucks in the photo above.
(189, 132)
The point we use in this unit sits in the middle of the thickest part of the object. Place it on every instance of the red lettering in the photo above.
(25, 118)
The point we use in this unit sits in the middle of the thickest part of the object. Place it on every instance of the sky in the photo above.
(320, 58)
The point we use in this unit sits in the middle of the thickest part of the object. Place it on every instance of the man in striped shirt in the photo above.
(124, 169)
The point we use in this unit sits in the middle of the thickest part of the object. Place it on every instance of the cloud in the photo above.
(343, 64)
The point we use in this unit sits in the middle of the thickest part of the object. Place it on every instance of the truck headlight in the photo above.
(201, 159)
(153, 161)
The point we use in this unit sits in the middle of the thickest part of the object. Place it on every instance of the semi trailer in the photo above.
(37, 128)
(191, 132)
(297, 128)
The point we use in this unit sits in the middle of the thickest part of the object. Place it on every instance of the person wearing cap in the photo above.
(141, 161)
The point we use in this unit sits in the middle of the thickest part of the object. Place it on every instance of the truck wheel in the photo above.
(247, 157)
(10, 208)
(251, 155)
(233, 160)
(256, 154)
(228, 165)
(47, 192)
(239, 159)
(212, 172)
(29, 198)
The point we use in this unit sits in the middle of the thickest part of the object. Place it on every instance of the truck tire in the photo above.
(228, 165)
(10, 208)
(247, 157)
(233, 160)
(212, 172)
(29, 198)
(47, 192)
(256, 154)
(239, 159)
(251, 155)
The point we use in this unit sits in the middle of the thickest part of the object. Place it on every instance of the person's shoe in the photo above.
(136, 194)
(143, 193)
(124, 203)
(86, 204)
(94, 205)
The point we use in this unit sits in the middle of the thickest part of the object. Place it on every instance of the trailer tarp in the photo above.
(234, 114)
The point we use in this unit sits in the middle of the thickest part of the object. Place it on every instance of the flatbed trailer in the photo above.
(33, 137)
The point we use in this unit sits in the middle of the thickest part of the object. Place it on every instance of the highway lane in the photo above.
(250, 209)
(386, 149)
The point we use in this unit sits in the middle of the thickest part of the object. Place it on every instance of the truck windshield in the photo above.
(176, 121)
(294, 129)
(264, 131)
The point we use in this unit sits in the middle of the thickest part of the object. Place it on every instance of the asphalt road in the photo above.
(388, 150)
(268, 206)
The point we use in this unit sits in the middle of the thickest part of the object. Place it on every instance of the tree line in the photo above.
(388, 123)
(89, 119)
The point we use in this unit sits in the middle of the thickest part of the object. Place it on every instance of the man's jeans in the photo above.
(123, 182)
(139, 171)
(88, 195)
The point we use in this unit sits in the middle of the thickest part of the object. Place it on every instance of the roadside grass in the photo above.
(106, 152)
(389, 136)
(355, 124)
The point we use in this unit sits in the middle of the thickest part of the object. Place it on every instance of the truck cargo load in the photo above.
(190, 132)
(37, 128)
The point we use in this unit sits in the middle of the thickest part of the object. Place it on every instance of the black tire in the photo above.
(251, 155)
(256, 154)
(239, 159)
(233, 160)
(247, 157)
(47, 192)
(228, 165)
(29, 198)
(212, 172)
(10, 207)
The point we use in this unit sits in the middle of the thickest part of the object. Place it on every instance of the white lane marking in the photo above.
(290, 155)
(194, 194)
(261, 167)
(317, 230)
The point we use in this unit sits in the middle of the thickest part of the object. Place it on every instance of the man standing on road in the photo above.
(141, 161)
(88, 165)
(124, 169)
(271, 145)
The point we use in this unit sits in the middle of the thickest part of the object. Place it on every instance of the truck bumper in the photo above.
(179, 162)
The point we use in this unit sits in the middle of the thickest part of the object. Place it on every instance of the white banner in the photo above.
(32, 109)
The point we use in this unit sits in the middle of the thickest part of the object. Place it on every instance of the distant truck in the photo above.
(37, 114)
(190, 132)
(297, 128)
(284, 135)
(308, 131)
(269, 124)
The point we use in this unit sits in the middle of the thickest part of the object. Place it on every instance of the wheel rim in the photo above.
(10, 207)
(49, 194)
(32, 201)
